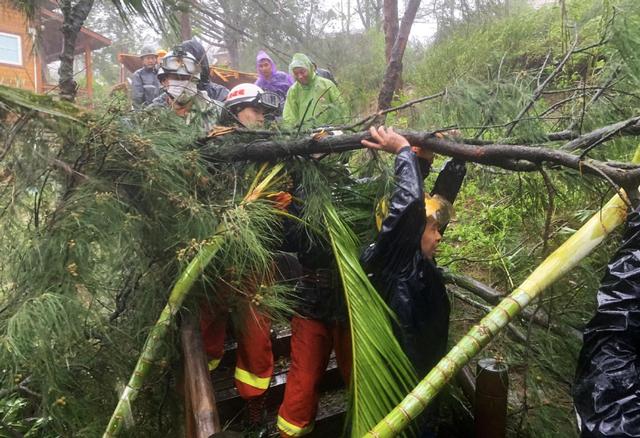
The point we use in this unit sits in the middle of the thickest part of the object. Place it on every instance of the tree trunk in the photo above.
(394, 67)
(201, 398)
(390, 26)
(231, 35)
(185, 25)
(74, 18)
(233, 44)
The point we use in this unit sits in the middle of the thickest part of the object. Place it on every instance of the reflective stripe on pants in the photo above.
(311, 345)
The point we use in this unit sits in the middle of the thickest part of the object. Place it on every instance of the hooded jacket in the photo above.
(316, 104)
(278, 83)
(411, 286)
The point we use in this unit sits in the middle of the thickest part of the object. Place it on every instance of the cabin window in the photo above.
(10, 49)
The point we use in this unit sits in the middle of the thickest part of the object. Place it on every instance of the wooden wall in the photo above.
(13, 22)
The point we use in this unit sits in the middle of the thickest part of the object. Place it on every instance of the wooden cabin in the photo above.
(22, 66)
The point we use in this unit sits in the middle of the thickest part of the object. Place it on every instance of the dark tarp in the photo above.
(607, 386)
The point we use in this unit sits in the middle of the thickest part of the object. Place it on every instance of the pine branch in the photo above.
(538, 91)
(372, 117)
(627, 127)
(511, 157)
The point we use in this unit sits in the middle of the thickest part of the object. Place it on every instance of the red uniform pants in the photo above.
(254, 358)
(311, 345)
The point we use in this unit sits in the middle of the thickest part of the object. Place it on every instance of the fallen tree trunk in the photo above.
(511, 157)
(200, 396)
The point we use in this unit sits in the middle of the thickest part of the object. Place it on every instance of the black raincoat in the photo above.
(319, 292)
(214, 91)
(411, 286)
(607, 386)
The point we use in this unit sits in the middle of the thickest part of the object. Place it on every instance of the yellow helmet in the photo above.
(436, 207)
(439, 209)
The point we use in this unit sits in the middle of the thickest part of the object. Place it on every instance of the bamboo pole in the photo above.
(561, 261)
(151, 349)
(152, 346)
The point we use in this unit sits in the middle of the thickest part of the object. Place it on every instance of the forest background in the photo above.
(491, 58)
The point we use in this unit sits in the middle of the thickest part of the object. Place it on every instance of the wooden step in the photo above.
(230, 404)
(330, 419)
(280, 344)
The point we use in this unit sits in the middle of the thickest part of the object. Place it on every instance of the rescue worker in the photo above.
(312, 101)
(270, 78)
(178, 74)
(319, 326)
(247, 105)
(215, 91)
(323, 72)
(144, 82)
(401, 262)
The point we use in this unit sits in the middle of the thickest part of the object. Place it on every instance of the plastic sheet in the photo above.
(607, 385)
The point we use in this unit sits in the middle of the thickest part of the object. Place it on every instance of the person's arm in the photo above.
(401, 230)
(606, 392)
(450, 179)
(137, 89)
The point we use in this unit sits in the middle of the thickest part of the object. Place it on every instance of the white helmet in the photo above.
(180, 62)
(250, 94)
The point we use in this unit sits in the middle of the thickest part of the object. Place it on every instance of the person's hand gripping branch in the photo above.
(386, 139)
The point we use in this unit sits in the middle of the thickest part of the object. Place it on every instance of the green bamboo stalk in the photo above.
(562, 260)
(151, 349)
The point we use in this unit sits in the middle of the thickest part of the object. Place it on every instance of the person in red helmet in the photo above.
(245, 105)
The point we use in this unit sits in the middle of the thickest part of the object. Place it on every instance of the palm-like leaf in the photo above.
(381, 371)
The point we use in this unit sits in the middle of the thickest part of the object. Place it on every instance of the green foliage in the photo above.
(490, 71)
(101, 211)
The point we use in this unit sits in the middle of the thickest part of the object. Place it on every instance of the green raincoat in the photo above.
(316, 104)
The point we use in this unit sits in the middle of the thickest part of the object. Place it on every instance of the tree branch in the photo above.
(511, 157)
(629, 127)
(372, 117)
(493, 297)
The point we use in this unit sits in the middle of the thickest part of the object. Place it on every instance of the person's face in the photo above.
(149, 61)
(264, 68)
(301, 75)
(251, 117)
(430, 239)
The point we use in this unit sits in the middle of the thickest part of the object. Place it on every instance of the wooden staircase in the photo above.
(231, 408)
